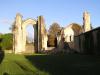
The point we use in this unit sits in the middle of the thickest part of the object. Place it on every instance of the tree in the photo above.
(54, 29)
(52, 33)
(7, 41)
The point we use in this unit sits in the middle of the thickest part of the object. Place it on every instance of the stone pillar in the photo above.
(45, 42)
(86, 21)
(36, 38)
(42, 34)
(58, 40)
(17, 34)
(62, 39)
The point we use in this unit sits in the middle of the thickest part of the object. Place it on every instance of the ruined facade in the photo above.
(19, 34)
(67, 34)
(64, 38)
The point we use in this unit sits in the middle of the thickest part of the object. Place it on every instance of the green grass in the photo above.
(18, 65)
(39, 64)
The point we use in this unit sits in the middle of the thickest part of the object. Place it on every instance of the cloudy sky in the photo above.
(63, 12)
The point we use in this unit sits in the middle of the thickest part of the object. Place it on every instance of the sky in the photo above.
(63, 12)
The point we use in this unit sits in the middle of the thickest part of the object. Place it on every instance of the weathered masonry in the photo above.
(19, 34)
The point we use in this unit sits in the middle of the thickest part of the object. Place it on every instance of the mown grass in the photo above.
(18, 65)
(40, 64)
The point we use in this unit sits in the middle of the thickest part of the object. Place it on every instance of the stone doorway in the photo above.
(29, 48)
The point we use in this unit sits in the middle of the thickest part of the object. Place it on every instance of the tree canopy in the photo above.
(52, 32)
(54, 29)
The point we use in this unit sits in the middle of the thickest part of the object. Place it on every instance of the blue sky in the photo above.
(63, 12)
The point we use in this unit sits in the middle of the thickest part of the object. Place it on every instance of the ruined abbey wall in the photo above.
(19, 34)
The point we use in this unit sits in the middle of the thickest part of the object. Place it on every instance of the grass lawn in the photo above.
(18, 65)
(72, 64)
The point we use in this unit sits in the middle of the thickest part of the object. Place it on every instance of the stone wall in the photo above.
(89, 42)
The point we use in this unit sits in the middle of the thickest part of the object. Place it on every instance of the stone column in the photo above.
(58, 40)
(18, 34)
(36, 38)
(42, 34)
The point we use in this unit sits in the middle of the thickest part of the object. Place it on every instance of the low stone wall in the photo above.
(88, 42)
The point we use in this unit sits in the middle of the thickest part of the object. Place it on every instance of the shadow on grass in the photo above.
(5, 73)
(66, 64)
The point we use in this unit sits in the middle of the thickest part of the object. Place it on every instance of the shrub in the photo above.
(7, 41)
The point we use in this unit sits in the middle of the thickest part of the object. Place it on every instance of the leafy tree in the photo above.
(52, 33)
(54, 29)
(7, 41)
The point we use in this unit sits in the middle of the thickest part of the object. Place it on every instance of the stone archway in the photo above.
(19, 34)
(24, 25)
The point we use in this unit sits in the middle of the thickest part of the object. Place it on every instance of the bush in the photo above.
(7, 41)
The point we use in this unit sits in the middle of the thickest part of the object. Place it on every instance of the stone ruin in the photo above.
(40, 33)
(19, 34)
(67, 34)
